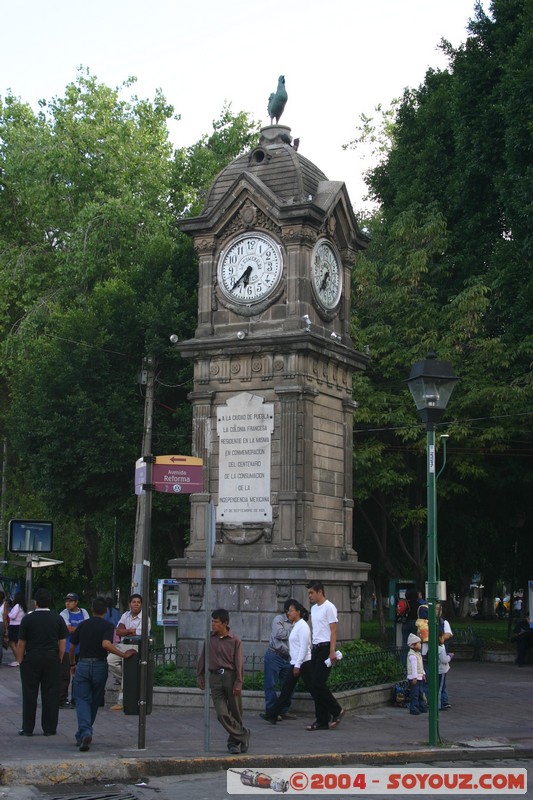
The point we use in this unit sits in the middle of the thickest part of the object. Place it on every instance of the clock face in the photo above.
(326, 274)
(250, 268)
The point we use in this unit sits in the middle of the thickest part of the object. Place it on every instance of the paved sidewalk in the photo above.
(490, 717)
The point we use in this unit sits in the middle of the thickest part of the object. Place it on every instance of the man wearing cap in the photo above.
(72, 615)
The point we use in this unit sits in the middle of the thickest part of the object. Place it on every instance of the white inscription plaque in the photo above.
(244, 427)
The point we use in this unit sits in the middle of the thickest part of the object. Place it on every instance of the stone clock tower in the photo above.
(272, 398)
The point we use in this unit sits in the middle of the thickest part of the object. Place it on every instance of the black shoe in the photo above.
(336, 721)
(85, 743)
(50, 733)
(272, 720)
(234, 749)
(66, 704)
(24, 733)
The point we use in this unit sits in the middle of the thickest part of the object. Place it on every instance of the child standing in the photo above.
(416, 675)
(444, 666)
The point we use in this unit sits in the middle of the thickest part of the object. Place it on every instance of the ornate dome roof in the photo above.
(277, 164)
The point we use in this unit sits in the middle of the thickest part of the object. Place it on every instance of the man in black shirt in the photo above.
(95, 638)
(40, 649)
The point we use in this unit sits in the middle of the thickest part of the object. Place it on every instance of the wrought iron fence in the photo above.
(353, 672)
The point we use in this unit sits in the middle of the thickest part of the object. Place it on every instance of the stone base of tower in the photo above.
(255, 592)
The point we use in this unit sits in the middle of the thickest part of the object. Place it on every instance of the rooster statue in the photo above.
(277, 100)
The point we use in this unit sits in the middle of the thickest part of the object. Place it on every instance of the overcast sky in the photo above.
(340, 59)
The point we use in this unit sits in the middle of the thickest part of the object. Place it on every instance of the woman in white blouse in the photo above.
(15, 614)
(300, 656)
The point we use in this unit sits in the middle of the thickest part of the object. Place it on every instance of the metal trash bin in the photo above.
(131, 677)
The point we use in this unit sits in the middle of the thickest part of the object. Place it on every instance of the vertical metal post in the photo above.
(144, 648)
(433, 677)
(140, 577)
(147, 378)
(210, 529)
(29, 581)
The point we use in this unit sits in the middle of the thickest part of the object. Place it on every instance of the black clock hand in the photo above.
(245, 277)
(324, 283)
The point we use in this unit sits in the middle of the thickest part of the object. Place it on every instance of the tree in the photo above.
(95, 274)
(460, 151)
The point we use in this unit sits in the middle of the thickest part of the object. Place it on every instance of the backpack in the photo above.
(422, 625)
(401, 694)
(402, 608)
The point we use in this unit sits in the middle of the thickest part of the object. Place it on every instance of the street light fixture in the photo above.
(431, 384)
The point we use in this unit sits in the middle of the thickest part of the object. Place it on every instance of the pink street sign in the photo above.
(177, 479)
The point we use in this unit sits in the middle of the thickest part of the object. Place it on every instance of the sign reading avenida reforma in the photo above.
(244, 427)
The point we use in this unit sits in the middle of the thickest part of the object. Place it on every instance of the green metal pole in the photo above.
(433, 677)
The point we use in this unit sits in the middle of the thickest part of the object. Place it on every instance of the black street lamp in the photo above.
(431, 383)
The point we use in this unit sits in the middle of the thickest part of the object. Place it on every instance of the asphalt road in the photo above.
(212, 786)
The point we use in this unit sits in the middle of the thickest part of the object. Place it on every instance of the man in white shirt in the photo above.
(324, 644)
(129, 624)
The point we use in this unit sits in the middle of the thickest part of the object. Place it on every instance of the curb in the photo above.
(55, 772)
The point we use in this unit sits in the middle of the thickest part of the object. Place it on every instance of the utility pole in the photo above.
(144, 502)
(140, 578)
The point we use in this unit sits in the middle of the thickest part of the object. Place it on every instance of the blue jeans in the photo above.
(276, 670)
(443, 691)
(89, 693)
(417, 702)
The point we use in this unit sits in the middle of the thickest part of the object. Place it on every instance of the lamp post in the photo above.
(431, 383)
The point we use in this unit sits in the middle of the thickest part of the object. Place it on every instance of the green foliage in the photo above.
(448, 269)
(196, 167)
(364, 664)
(95, 275)
(169, 675)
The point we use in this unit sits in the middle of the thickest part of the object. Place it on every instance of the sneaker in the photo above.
(66, 704)
(447, 706)
(14, 664)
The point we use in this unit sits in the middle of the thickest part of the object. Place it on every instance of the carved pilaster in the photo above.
(355, 597)
(283, 593)
(349, 407)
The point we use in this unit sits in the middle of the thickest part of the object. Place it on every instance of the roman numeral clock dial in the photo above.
(250, 268)
(326, 275)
